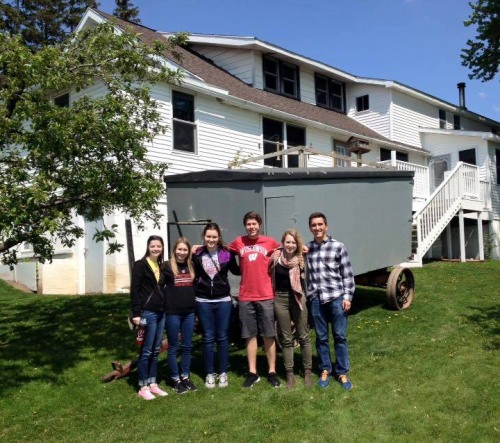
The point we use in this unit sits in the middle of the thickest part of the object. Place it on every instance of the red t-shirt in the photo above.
(254, 256)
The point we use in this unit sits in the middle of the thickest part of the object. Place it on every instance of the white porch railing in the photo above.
(462, 182)
(420, 179)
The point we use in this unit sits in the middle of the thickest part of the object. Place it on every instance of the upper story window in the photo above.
(362, 103)
(281, 77)
(329, 93)
(467, 156)
(341, 149)
(184, 126)
(456, 122)
(385, 154)
(442, 119)
(279, 136)
(62, 100)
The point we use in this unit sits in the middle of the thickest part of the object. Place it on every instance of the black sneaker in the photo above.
(179, 387)
(251, 380)
(273, 380)
(189, 385)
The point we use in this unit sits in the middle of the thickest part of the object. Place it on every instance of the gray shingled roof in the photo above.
(214, 75)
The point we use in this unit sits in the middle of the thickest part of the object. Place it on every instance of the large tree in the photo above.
(84, 157)
(126, 10)
(42, 22)
(482, 55)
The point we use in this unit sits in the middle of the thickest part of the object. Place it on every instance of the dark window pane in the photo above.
(467, 156)
(183, 106)
(271, 66)
(456, 122)
(273, 161)
(321, 98)
(271, 82)
(183, 136)
(289, 88)
(62, 101)
(442, 118)
(336, 88)
(402, 156)
(385, 154)
(337, 103)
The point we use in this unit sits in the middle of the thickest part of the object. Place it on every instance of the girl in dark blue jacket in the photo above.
(212, 262)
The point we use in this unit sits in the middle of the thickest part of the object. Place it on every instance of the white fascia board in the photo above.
(459, 133)
(261, 45)
(89, 20)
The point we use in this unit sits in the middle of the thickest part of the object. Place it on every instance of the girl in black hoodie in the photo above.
(148, 311)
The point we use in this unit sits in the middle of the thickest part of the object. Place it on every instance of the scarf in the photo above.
(295, 266)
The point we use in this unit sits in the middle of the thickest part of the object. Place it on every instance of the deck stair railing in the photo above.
(443, 204)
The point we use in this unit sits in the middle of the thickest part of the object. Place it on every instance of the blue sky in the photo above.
(415, 42)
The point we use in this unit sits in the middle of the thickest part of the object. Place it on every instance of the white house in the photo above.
(243, 98)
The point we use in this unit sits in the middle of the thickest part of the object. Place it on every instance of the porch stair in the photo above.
(459, 190)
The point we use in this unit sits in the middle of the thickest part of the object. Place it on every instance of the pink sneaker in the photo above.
(155, 389)
(145, 393)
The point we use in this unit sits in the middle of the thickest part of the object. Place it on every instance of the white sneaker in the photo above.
(223, 382)
(210, 381)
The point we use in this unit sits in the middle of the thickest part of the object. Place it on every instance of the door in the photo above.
(439, 166)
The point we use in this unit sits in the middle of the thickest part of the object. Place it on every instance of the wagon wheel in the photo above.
(400, 288)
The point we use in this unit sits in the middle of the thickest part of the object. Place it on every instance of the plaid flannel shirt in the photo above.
(330, 274)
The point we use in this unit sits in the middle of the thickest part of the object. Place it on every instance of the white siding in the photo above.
(493, 160)
(307, 88)
(238, 62)
(409, 114)
(377, 117)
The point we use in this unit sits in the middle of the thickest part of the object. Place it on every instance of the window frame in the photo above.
(442, 119)
(280, 76)
(282, 142)
(340, 147)
(363, 103)
(400, 155)
(329, 93)
(178, 123)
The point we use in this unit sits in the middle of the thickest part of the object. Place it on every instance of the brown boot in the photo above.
(290, 380)
(308, 381)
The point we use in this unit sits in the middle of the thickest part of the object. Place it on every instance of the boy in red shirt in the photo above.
(256, 296)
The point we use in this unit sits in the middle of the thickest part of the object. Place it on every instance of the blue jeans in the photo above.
(182, 324)
(214, 319)
(323, 315)
(147, 365)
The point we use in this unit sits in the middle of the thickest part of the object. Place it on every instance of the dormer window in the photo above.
(362, 103)
(456, 122)
(281, 77)
(329, 93)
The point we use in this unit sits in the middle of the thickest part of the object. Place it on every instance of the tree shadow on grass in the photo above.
(43, 336)
(488, 320)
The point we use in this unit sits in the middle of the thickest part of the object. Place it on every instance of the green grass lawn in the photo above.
(429, 373)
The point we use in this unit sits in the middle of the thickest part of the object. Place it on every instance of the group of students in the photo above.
(279, 283)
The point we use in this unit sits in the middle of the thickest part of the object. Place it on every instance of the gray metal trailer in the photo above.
(368, 209)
